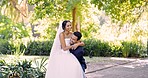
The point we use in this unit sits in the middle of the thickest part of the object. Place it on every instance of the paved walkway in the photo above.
(113, 67)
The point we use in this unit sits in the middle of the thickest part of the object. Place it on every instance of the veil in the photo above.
(56, 44)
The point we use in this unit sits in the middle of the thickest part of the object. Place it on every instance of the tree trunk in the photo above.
(74, 19)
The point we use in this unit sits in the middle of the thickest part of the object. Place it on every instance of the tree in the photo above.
(9, 15)
(58, 9)
(10, 30)
(122, 10)
(14, 9)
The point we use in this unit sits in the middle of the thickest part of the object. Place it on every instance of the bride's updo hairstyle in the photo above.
(64, 24)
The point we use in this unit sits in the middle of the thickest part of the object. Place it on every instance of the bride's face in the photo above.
(68, 26)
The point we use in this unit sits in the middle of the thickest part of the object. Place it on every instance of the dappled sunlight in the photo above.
(110, 30)
(13, 58)
(95, 75)
(126, 59)
(129, 66)
(137, 63)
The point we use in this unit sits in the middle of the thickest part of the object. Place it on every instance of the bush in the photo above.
(90, 47)
(116, 49)
(5, 47)
(131, 49)
(32, 48)
(104, 49)
(93, 47)
(38, 48)
(96, 48)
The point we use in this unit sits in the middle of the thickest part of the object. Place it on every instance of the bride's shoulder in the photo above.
(61, 34)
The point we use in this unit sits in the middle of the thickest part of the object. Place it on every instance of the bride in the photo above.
(62, 63)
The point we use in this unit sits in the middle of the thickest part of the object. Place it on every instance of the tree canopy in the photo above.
(122, 10)
(57, 8)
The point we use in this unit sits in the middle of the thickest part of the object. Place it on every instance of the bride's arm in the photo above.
(80, 43)
(63, 44)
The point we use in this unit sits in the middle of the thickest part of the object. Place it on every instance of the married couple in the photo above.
(66, 57)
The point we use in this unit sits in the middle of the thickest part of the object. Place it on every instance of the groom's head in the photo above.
(75, 37)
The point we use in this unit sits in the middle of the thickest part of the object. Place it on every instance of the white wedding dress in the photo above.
(63, 64)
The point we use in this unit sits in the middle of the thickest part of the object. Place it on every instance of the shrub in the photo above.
(131, 49)
(104, 49)
(96, 48)
(18, 48)
(5, 47)
(90, 47)
(116, 49)
(38, 48)
(93, 47)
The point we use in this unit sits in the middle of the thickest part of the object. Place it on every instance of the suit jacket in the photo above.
(78, 53)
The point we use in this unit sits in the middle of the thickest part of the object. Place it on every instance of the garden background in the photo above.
(110, 28)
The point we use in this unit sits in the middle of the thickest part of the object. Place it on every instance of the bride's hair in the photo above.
(64, 24)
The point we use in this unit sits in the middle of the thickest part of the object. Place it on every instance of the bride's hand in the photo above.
(74, 46)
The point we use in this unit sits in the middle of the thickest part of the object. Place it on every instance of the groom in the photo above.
(78, 52)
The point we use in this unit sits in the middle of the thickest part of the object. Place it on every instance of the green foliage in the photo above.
(104, 49)
(50, 8)
(5, 47)
(90, 47)
(12, 47)
(51, 31)
(19, 48)
(116, 50)
(131, 49)
(9, 29)
(93, 47)
(38, 48)
(3, 2)
(56, 9)
(23, 69)
(2, 62)
(41, 65)
(32, 48)
(89, 30)
(96, 48)
(122, 10)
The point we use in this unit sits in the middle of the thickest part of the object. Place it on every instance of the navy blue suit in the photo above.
(78, 53)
